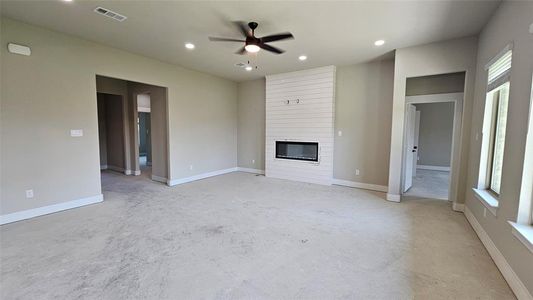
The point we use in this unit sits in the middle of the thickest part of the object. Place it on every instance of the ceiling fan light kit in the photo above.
(253, 44)
(252, 48)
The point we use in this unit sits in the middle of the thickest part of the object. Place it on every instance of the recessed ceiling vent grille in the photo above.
(110, 14)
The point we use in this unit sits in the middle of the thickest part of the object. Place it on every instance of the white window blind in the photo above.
(499, 71)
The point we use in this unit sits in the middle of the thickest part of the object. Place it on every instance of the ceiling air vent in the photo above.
(110, 14)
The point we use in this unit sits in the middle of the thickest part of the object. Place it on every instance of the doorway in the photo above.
(144, 133)
(140, 128)
(429, 139)
(432, 128)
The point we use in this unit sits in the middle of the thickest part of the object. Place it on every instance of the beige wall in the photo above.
(435, 134)
(435, 84)
(106, 87)
(114, 123)
(102, 136)
(45, 95)
(509, 24)
(251, 124)
(363, 111)
(452, 56)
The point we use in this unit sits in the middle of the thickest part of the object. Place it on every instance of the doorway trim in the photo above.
(457, 99)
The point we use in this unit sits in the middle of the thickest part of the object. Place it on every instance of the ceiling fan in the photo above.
(253, 44)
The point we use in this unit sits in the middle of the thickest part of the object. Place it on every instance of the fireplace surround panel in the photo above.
(299, 125)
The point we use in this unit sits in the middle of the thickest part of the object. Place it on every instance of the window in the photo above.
(494, 127)
(499, 99)
(523, 227)
(525, 209)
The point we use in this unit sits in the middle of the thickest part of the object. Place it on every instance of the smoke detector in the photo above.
(110, 14)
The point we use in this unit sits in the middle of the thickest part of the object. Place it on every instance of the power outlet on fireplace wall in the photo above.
(190, 167)
(357, 172)
(253, 161)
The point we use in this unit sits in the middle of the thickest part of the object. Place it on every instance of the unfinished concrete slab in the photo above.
(241, 236)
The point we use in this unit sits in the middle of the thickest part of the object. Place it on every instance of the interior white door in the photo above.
(417, 137)
(410, 151)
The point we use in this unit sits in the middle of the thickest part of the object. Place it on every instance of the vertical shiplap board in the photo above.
(308, 117)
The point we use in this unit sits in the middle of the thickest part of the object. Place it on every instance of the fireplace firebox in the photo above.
(307, 151)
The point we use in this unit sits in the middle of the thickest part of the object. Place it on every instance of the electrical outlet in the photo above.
(253, 161)
(29, 194)
(340, 133)
(357, 172)
(190, 167)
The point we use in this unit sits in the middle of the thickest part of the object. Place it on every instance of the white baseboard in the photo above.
(159, 179)
(393, 197)
(510, 276)
(103, 167)
(360, 185)
(45, 210)
(434, 168)
(249, 170)
(458, 207)
(201, 176)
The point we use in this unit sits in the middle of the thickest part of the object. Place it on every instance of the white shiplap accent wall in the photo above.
(311, 119)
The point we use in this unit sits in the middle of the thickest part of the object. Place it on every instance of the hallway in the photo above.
(430, 184)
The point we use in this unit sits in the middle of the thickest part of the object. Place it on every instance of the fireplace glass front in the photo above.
(307, 151)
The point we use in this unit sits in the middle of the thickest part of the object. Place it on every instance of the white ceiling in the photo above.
(329, 33)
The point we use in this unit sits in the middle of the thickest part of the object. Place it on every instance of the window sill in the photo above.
(524, 233)
(487, 199)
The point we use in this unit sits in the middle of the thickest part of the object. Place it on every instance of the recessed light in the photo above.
(248, 68)
(379, 43)
(67, 0)
(189, 46)
(302, 57)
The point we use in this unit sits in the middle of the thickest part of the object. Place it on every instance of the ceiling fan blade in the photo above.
(277, 37)
(220, 39)
(270, 48)
(241, 51)
(243, 27)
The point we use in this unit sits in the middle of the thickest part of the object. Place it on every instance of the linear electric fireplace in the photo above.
(307, 151)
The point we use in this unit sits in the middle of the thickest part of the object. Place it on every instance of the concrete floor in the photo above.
(240, 236)
(430, 184)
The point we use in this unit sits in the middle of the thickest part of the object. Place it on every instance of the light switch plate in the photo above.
(29, 194)
(76, 132)
(340, 133)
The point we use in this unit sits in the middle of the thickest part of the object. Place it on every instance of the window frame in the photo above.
(493, 132)
(525, 207)
(522, 229)
(484, 191)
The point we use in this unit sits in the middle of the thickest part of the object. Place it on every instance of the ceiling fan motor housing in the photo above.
(253, 25)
